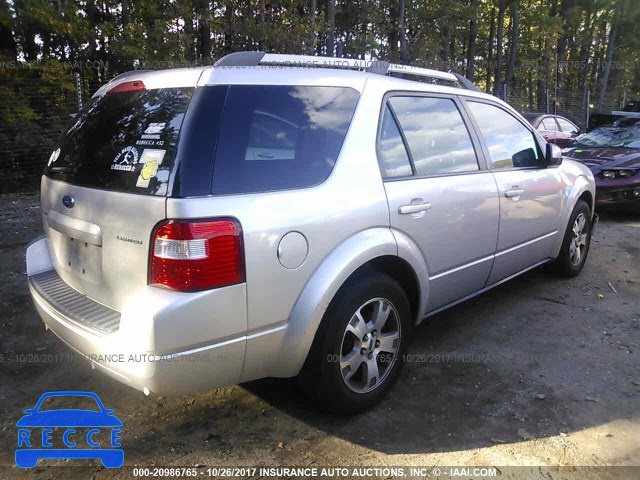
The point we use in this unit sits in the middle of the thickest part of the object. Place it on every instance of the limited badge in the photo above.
(125, 160)
(151, 159)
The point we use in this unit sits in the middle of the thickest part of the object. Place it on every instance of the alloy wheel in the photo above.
(578, 242)
(370, 345)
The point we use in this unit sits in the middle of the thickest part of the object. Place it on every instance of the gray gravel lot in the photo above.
(539, 371)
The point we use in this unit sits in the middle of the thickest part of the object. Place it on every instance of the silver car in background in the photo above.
(280, 216)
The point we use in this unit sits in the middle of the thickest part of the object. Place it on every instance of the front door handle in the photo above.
(514, 192)
(414, 208)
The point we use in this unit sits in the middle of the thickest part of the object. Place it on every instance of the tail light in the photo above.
(199, 255)
(133, 86)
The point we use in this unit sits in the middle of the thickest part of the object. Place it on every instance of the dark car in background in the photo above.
(554, 128)
(612, 152)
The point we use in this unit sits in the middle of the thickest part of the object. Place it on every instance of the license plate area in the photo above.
(81, 258)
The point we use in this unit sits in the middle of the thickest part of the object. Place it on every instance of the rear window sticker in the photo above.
(125, 160)
(153, 131)
(152, 159)
(150, 143)
(154, 128)
(54, 156)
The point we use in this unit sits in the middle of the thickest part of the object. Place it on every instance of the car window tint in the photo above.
(509, 142)
(437, 136)
(280, 137)
(567, 126)
(548, 125)
(394, 160)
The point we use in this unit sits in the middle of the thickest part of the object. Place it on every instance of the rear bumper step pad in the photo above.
(73, 304)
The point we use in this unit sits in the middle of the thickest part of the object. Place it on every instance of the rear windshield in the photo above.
(123, 142)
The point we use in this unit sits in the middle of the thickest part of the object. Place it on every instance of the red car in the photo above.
(554, 128)
(612, 152)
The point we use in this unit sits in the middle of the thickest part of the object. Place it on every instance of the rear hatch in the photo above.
(105, 188)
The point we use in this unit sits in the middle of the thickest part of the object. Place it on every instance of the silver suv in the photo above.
(280, 216)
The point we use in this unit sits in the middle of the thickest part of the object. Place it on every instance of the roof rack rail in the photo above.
(254, 59)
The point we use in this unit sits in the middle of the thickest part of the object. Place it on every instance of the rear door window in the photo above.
(436, 134)
(548, 125)
(123, 141)
(566, 126)
(280, 137)
(394, 159)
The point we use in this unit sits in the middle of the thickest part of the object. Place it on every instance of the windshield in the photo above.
(626, 135)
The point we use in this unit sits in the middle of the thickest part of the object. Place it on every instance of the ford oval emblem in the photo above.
(68, 201)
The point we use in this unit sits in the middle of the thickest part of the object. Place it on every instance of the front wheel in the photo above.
(575, 246)
(357, 354)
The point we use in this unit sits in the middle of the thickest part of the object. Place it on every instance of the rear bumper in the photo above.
(166, 342)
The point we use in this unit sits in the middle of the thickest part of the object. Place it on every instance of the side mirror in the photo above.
(553, 155)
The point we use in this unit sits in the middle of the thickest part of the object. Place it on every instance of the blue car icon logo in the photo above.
(98, 429)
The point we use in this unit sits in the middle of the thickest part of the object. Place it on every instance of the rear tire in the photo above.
(358, 351)
(575, 246)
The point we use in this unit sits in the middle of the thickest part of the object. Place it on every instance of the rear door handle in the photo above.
(514, 192)
(414, 208)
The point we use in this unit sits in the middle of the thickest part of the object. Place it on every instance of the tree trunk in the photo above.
(541, 94)
(585, 47)
(473, 37)
(124, 4)
(513, 54)
(402, 32)
(312, 18)
(204, 31)
(561, 52)
(91, 18)
(228, 27)
(261, 21)
(331, 19)
(598, 52)
(445, 34)
(393, 39)
(611, 46)
(499, 38)
(492, 31)
(544, 80)
(191, 51)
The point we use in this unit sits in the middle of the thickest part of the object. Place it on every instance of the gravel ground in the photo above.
(537, 372)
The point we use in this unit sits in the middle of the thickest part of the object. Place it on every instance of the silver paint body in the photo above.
(471, 238)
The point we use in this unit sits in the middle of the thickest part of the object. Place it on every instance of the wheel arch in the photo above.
(588, 198)
(400, 270)
(582, 189)
(287, 349)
